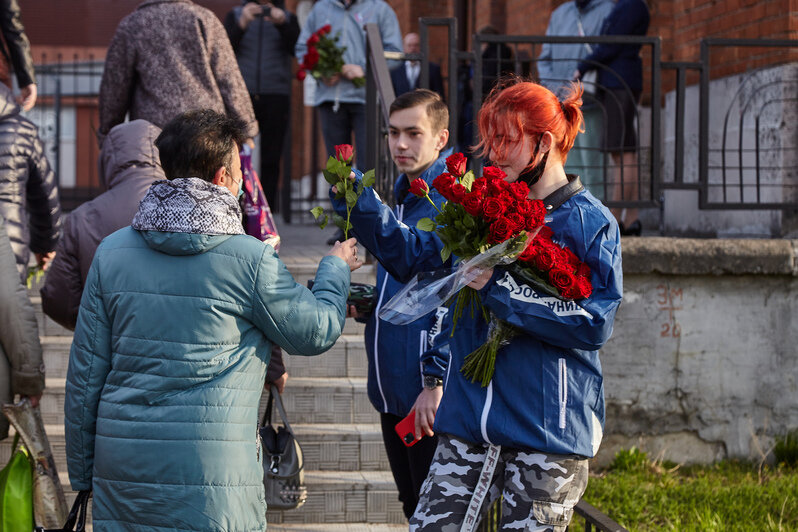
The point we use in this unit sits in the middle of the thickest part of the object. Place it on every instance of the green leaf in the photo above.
(445, 253)
(425, 224)
(467, 180)
(351, 198)
(331, 177)
(316, 212)
(368, 178)
(339, 221)
(323, 223)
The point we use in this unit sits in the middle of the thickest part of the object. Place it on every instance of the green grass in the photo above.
(728, 496)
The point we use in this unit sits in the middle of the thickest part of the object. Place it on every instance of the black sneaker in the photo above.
(635, 229)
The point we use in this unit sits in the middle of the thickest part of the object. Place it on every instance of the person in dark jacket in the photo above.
(407, 77)
(16, 54)
(128, 165)
(621, 80)
(417, 132)
(28, 190)
(166, 57)
(528, 433)
(263, 35)
(21, 366)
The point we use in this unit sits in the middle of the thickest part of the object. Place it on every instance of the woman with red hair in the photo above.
(528, 434)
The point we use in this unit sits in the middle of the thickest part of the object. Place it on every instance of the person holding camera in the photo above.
(263, 35)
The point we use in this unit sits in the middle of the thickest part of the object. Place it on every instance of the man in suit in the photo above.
(406, 77)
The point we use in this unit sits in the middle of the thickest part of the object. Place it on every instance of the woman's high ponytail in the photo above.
(572, 112)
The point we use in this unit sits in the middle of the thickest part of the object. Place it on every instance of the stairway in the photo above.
(350, 486)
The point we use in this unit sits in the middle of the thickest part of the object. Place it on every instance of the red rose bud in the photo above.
(500, 230)
(344, 152)
(300, 75)
(519, 190)
(544, 260)
(419, 187)
(518, 221)
(456, 164)
(563, 280)
(313, 39)
(491, 172)
(443, 184)
(492, 208)
(584, 286)
(473, 203)
(324, 30)
(458, 193)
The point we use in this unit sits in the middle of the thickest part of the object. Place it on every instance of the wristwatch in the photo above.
(431, 382)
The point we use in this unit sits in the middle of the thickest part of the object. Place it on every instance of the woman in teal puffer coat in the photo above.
(172, 343)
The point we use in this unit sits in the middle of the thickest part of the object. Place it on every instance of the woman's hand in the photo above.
(347, 251)
(426, 406)
(479, 282)
(351, 72)
(331, 81)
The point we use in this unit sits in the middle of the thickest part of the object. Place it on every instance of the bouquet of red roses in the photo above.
(324, 58)
(488, 217)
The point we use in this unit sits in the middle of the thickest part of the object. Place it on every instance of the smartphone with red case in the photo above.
(406, 429)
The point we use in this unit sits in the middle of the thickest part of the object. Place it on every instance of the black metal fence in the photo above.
(736, 145)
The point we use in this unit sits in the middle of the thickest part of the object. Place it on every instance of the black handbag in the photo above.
(76, 521)
(283, 464)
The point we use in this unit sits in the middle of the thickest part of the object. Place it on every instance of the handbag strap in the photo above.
(275, 398)
(582, 31)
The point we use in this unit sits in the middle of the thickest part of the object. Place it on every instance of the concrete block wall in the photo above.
(703, 363)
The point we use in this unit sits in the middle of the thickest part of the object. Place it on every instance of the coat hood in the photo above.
(129, 152)
(8, 105)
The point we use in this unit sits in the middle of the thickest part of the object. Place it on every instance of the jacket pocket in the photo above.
(552, 514)
(563, 391)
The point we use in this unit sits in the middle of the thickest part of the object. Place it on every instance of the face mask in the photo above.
(240, 189)
(532, 175)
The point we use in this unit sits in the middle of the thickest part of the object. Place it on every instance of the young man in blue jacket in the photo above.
(417, 133)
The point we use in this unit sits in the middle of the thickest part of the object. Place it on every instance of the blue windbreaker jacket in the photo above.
(394, 351)
(547, 393)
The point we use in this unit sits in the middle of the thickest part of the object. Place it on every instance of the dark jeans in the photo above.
(337, 128)
(409, 465)
(272, 112)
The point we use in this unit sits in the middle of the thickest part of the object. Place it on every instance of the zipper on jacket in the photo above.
(400, 212)
(563, 390)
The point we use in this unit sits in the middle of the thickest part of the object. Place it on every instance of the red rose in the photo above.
(500, 230)
(537, 216)
(545, 233)
(324, 30)
(518, 221)
(496, 187)
(479, 186)
(300, 74)
(492, 208)
(456, 164)
(311, 59)
(419, 187)
(544, 259)
(473, 203)
(344, 152)
(491, 172)
(570, 258)
(585, 288)
(519, 190)
(313, 39)
(529, 253)
(563, 280)
(583, 270)
(443, 184)
(458, 193)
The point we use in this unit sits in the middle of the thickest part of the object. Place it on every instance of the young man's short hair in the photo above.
(197, 143)
(436, 109)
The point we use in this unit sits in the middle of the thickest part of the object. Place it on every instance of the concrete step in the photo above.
(347, 358)
(345, 497)
(326, 447)
(357, 501)
(339, 400)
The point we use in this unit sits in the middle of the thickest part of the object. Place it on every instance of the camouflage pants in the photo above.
(540, 490)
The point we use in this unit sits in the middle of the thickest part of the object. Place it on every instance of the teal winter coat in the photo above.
(167, 368)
